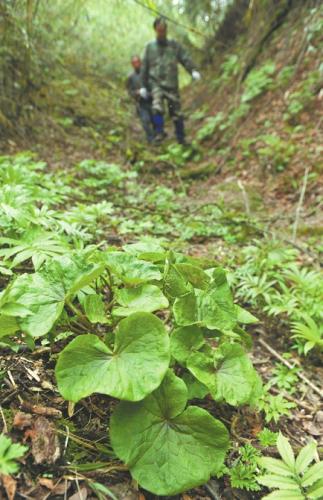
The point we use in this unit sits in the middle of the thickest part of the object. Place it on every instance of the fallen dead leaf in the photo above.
(22, 420)
(314, 430)
(319, 417)
(79, 495)
(10, 485)
(60, 487)
(48, 483)
(45, 444)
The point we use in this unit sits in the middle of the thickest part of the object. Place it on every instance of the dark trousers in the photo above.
(145, 114)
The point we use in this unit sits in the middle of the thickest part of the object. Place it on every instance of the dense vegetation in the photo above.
(161, 308)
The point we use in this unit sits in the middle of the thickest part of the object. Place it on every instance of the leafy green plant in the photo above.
(301, 98)
(310, 332)
(267, 437)
(275, 407)
(284, 378)
(178, 155)
(258, 81)
(133, 364)
(292, 477)
(162, 430)
(276, 152)
(270, 276)
(245, 469)
(105, 305)
(210, 126)
(285, 75)
(9, 453)
(229, 68)
(36, 245)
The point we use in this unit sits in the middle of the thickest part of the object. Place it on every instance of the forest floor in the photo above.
(169, 204)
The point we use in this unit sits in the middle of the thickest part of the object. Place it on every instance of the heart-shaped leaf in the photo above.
(228, 373)
(145, 298)
(44, 293)
(130, 269)
(44, 299)
(212, 307)
(168, 448)
(94, 308)
(134, 368)
(184, 341)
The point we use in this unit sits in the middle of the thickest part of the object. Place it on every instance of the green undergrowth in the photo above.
(93, 263)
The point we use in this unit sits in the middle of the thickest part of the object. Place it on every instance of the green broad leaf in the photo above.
(216, 307)
(134, 368)
(175, 285)
(145, 298)
(274, 481)
(212, 308)
(245, 317)
(275, 466)
(305, 457)
(146, 250)
(284, 495)
(193, 275)
(8, 343)
(313, 474)
(8, 325)
(44, 299)
(9, 452)
(237, 381)
(74, 272)
(185, 310)
(94, 308)
(201, 365)
(43, 294)
(286, 451)
(168, 449)
(316, 491)
(184, 341)
(131, 270)
(13, 309)
(228, 373)
(196, 390)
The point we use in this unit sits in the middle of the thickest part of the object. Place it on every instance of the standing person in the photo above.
(141, 97)
(160, 73)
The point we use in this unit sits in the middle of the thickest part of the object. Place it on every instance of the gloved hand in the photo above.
(196, 75)
(143, 92)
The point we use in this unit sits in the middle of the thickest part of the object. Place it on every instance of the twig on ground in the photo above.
(312, 409)
(286, 363)
(9, 396)
(213, 488)
(66, 439)
(300, 204)
(41, 410)
(12, 380)
(5, 427)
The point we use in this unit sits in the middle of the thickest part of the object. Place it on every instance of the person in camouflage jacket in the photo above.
(160, 75)
(141, 98)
